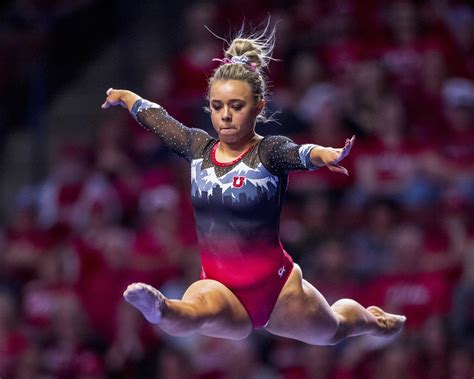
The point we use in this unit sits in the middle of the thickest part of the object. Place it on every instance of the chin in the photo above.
(231, 137)
(228, 139)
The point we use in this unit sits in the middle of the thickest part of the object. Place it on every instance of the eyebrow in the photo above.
(230, 101)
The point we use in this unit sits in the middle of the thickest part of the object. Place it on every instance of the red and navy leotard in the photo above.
(237, 207)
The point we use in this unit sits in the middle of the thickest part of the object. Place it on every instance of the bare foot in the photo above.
(389, 324)
(148, 300)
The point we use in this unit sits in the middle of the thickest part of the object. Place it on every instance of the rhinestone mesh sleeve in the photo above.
(174, 135)
(280, 155)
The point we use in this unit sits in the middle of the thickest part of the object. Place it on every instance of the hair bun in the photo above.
(247, 48)
(257, 47)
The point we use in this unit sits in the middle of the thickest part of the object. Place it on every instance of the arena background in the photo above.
(90, 202)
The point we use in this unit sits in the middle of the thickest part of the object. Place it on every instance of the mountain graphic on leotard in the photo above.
(259, 183)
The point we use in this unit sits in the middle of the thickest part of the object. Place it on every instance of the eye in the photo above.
(237, 107)
(216, 107)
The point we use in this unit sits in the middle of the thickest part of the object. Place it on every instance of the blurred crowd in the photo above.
(397, 233)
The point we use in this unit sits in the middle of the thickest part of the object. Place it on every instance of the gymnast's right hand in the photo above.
(121, 97)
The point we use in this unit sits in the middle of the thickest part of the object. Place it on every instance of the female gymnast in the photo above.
(238, 182)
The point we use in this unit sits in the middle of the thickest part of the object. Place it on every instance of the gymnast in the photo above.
(238, 182)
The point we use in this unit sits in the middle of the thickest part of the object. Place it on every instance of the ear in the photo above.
(260, 106)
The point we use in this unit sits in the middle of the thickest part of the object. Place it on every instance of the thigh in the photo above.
(223, 314)
(302, 313)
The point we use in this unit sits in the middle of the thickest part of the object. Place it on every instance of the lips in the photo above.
(226, 129)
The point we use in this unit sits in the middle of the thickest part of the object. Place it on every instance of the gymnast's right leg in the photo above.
(207, 307)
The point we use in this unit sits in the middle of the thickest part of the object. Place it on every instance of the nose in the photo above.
(226, 115)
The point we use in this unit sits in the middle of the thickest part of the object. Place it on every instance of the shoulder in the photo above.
(202, 142)
(276, 138)
(201, 133)
(273, 141)
(272, 150)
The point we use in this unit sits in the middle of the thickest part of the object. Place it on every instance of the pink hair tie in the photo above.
(238, 59)
(223, 61)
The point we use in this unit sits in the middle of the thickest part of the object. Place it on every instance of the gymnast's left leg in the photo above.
(302, 313)
(207, 307)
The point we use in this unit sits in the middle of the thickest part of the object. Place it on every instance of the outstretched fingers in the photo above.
(346, 149)
(343, 152)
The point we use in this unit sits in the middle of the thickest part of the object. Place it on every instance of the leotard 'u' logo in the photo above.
(238, 181)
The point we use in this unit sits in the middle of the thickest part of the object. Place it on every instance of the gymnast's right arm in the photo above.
(153, 117)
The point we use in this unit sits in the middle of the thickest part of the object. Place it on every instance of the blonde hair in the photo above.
(257, 48)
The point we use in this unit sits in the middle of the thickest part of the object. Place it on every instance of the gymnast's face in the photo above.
(233, 110)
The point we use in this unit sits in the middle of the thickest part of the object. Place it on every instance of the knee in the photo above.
(343, 305)
(340, 310)
(238, 332)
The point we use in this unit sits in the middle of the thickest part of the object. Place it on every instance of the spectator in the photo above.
(69, 353)
(404, 287)
(14, 345)
(133, 346)
(369, 240)
(388, 165)
(41, 297)
(25, 241)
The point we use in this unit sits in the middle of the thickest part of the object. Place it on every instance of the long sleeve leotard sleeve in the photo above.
(280, 155)
(182, 140)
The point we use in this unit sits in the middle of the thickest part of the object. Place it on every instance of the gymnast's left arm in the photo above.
(280, 155)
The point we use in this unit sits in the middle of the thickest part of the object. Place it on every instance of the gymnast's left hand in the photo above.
(330, 157)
